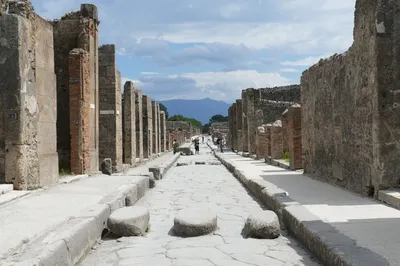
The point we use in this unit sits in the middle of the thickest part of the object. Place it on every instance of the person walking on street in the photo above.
(175, 146)
(197, 146)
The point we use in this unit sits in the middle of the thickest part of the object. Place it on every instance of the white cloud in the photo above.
(289, 70)
(308, 61)
(217, 85)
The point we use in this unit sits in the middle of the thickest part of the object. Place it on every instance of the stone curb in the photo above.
(160, 170)
(330, 246)
(67, 244)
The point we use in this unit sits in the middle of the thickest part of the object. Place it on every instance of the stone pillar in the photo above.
(245, 125)
(159, 128)
(129, 124)
(110, 145)
(285, 132)
(79, 29)
(28, 157)
(262, 144)
(294, 136)
(234, 128)
(239, 120)
(79, 107)
(251, 121)
(139, 124)
(155, 127)
(164, 136)
(276, 140)
(268, 128)
(147, 127)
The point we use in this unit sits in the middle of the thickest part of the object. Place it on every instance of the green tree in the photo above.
(218, 118)
(164, 108)
(192, 121)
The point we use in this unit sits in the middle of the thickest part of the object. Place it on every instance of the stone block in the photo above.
(263, 225)
(129, 221)
(192, 223)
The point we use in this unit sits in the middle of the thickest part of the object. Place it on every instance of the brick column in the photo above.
(139, 124)
(110, 143)
(164, 136)
(147, 127)
(79, 111)
(129, 124)
(276, 140)
(155, 127)
(294, 134)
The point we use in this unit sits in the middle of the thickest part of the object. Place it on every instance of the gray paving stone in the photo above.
(212, 188)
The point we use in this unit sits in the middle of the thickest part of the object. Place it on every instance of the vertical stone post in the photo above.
(262, 144)
(245, 125)
(294, 136)
(155, 127)
(276, 140)
(285, 131)
(79, 108)
(139, 124)
(164, 136)
(251, 121)
(159, 128)
(239, 119)
(110, 144)
(268, 128)
(147, 127)
(234, 128)
(129, 124)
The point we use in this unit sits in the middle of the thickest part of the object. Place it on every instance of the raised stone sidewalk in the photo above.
(72, 212)
(338, 226)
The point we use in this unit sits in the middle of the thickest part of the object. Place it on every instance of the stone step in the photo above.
(4, 188)
(391, 197)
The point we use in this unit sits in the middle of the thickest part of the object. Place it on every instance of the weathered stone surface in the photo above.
(264, 225)
(129, 221)
(182, 164)
(190, 223)
(106, 166)
(350, 106)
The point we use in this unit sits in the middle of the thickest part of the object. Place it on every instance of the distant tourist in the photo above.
(203, 138)
(175, 146)
(197, 146)
(220, 143)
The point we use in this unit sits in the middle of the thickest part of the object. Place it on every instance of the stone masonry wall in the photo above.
(245, 125)
(147, 127)
(293, 133)
(129, 121)
(350, 105)
(76, 30)
(159, 127)
(28, 157)
(110, 132)
(276, 140)
(239, 119)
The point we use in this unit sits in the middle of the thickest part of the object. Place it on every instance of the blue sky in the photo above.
(193, 49)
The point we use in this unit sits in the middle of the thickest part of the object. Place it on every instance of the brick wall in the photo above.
(276, 140)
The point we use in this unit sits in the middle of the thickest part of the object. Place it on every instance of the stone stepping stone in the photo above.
(190, 223)
(182, 164)
(129, 221)
(262, 225)
(202, 163)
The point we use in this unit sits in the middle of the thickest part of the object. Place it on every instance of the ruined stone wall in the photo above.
(350, 105)
(219, 129)
(245, 125)
(76, 30)
(261, 142)
(28, 157)
(159, 128)
(110, 132)
(147, 127)
(239, 119)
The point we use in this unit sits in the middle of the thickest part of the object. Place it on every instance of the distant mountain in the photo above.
(201, 110)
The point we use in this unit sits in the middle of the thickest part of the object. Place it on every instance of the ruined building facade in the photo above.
(341, 125)
(63, 110)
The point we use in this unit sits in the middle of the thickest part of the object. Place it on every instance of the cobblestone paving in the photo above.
(198, 186)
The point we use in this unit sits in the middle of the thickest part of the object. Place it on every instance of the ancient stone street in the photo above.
(197, 186)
